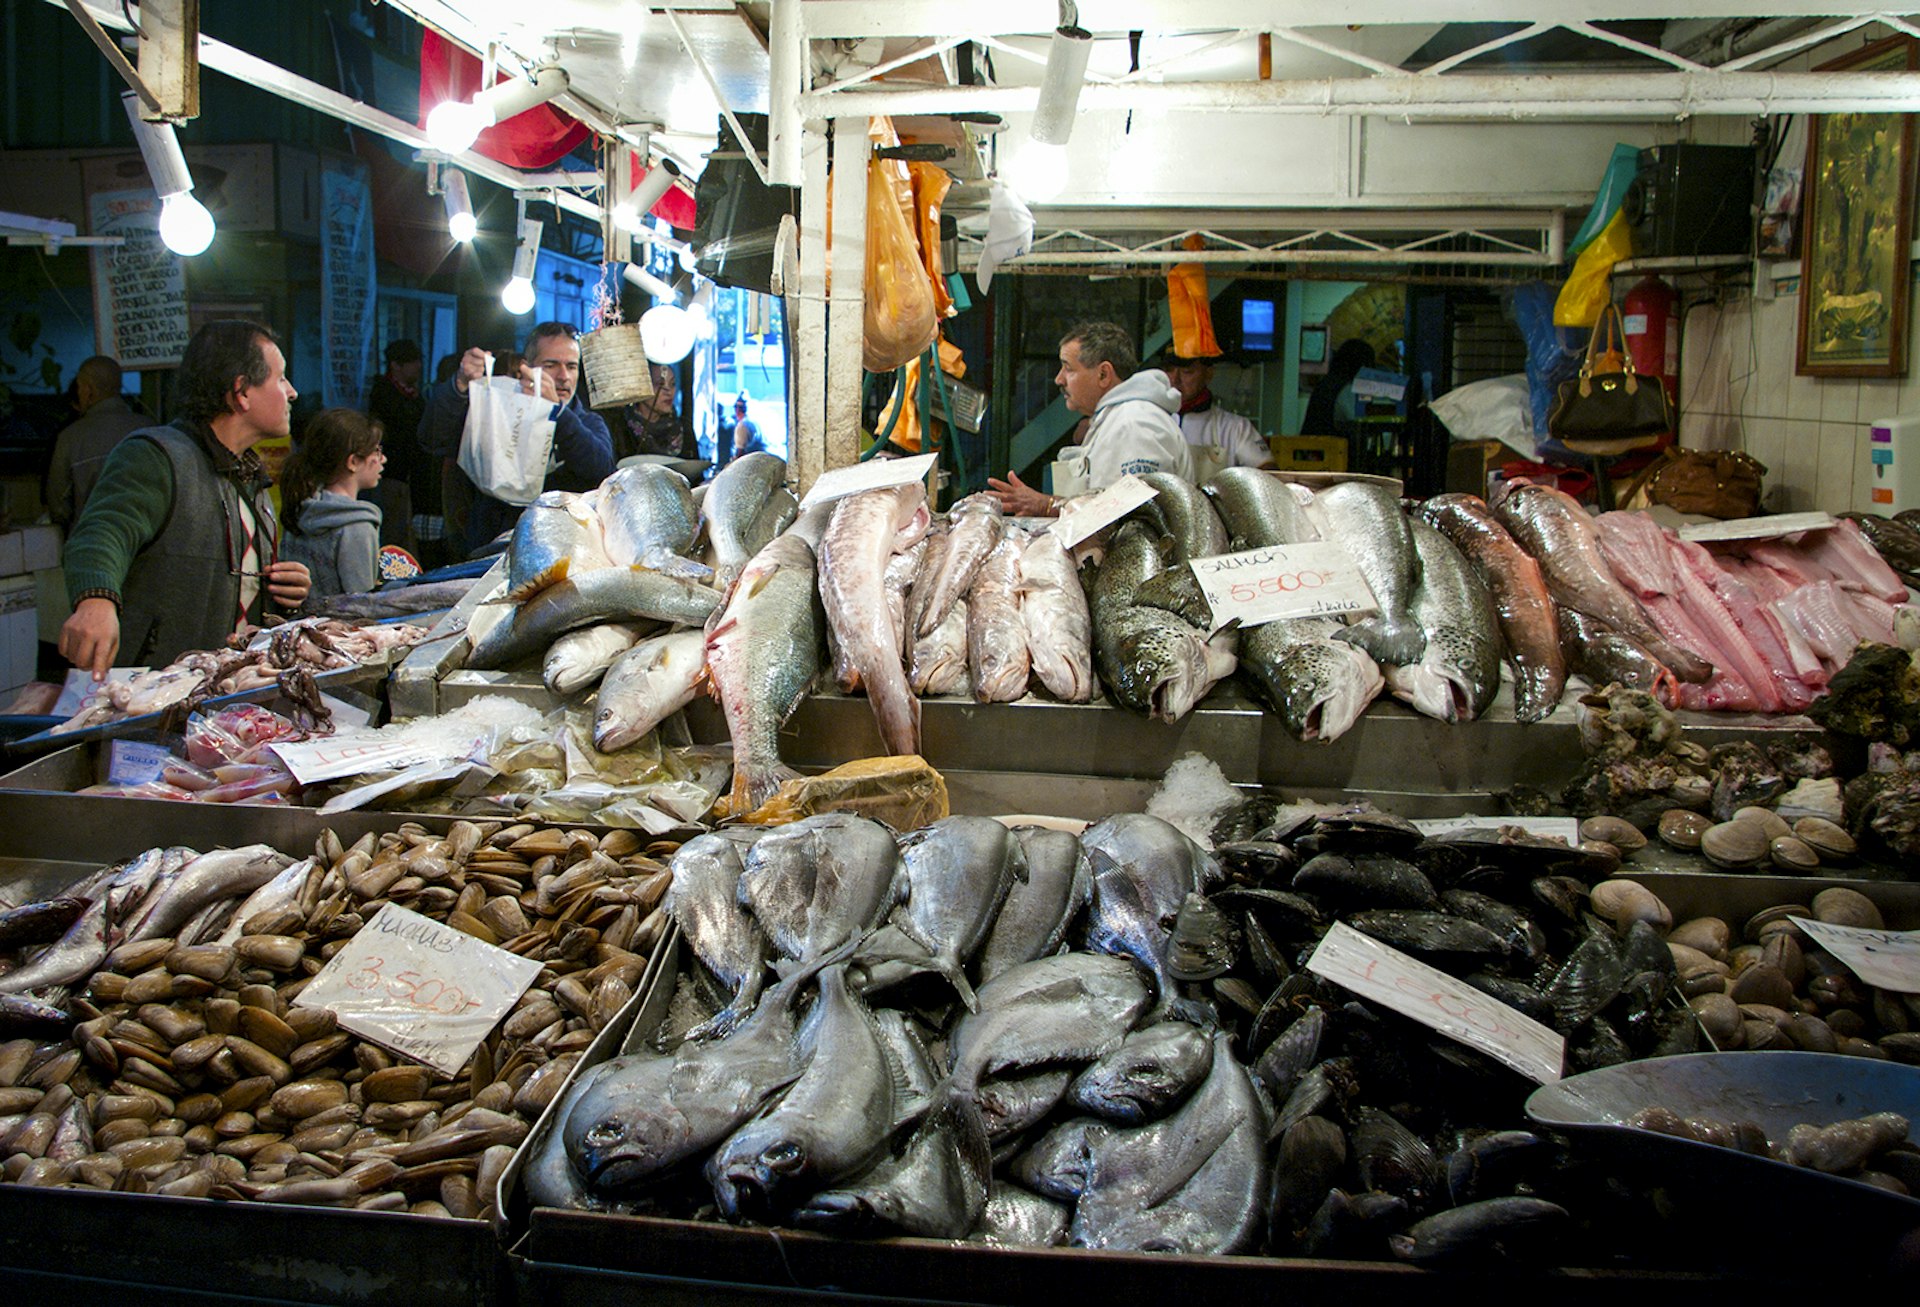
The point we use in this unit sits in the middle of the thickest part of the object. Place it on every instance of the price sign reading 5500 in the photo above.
(1267, 585)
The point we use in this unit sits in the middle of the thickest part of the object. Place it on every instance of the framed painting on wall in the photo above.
(1855, 281)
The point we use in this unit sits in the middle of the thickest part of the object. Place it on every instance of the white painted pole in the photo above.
(807, 314)
(846, 310)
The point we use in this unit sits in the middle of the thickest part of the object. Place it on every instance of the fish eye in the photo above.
(607, 1132)
(783, 1156)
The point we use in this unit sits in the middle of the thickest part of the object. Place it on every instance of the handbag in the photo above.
(507, 440)
(1609, 409)
(1721, 483)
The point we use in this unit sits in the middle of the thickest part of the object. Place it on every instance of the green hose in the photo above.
(893, 418)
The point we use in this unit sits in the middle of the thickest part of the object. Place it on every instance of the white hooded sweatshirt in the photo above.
(1134, 430)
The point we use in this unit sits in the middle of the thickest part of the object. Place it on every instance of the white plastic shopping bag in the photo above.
(507, 441)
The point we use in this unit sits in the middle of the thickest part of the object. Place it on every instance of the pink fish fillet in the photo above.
(1843, 550)
(1760, 627)
(867, 530)
(1814, 611)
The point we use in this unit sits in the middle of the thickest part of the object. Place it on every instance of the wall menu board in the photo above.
(139, 288)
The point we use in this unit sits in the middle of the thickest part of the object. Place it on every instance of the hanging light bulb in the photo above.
(186, 227)
(1038, 170)
(454, 125)
(667, 333)
(460, 220)
(517, 296)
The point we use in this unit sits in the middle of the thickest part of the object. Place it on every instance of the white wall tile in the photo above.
(1803, 398)
(1799, 466)
(1833, 475)
(1879, 399)
(1839, 399)
(1766, 440)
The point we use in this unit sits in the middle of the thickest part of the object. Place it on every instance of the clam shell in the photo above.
(1827, 839)
(1682, 829)
(1620, 833)
(1790, 853)
(1710, 935)
(1770, 821)
(1719, 1017)
(1624, 902)
(1775, 916)
(1735, 843)
(1840, 906)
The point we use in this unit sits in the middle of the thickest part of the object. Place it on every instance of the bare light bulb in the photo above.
(454, 125)
(517, 296)
(461, 224)
(667, 333)
(1038, 171)
(186, 227)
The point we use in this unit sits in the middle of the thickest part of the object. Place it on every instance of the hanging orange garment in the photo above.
(906, 431)
(1190, 308)
(931, 183)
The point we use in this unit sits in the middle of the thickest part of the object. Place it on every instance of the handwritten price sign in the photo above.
(1316, 579)
(424, 990)
(1085, 514)
(1887, 958)
(1439, 1002)
(313, 761)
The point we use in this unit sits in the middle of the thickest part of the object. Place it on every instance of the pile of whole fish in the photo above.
(1020, 1036)
(153, 1043)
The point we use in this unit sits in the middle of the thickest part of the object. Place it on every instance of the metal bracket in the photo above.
(114, 57)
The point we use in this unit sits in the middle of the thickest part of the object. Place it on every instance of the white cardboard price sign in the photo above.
(420, 988)
(1439, 1002)
(1315, 579)
(874, 474)
(1080, 517)
(332, 757)
(1887, 958)
(1552, 828)
(1756, 528)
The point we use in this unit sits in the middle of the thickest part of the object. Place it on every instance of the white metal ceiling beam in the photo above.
(275, 80)
(1513, 96)
(854, 19)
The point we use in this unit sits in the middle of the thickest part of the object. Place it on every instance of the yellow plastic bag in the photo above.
(900, 320)
(1586, 293)
(905, 792)
(1190, 309)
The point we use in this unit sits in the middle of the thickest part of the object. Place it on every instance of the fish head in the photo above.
(1162, 672)
(1322, 688)
(761, 1170)
(625, 1125)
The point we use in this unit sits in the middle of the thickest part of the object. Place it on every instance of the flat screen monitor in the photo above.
(1256, 326)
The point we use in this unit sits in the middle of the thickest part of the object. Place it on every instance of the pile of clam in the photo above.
(1763, 984)
(191, 1072)
(1757, 837)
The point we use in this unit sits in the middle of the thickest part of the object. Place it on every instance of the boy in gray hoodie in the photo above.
(329, 528)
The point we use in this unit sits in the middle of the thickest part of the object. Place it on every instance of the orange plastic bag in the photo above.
(906, 431)
(930, 186)
(1190, 308)
(900, 317)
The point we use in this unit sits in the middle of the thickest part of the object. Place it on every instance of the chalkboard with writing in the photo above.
(140, 287)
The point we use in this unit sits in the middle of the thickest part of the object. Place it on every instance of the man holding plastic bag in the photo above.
(515, 437)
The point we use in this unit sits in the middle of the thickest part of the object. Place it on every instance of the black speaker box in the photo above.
(736, 216)
(1690, 201)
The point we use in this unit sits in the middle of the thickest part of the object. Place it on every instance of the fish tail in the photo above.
(753, 786)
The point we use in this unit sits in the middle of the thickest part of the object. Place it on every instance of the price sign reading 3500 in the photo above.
(1317, 579)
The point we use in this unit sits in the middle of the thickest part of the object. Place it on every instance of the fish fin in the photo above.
(1190, 1153)
(553, 574)
(956, 975)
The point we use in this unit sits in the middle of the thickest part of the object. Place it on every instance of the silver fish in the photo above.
(1012, 1104)
(899, 576)
(646, 685)
(579, 658)
(821, 882)
(1194, 1183)
(556, 536)
(996, 638)
(207, 879)
(832, 1124)
(867, 529)
(1059, 1163)
(1053, 609)
(732, 505)
(1147, 1076)
(1070, 1008)
(774, 517)
(974, 529)
(101, 928)
(1185, 515)
(1529, 625)
(647, 1113)
(938, 536)
(1143, 870)
(1259, 509)
(283, 891)
(703, 900)
(938, 664)
(1366, 518)
(548, 1175)
(1553, 527)
(934, 1187)
(1034, 919)
(610, 594)
(958, 871)
(1018, 1218)
(1459, 671)
(646, 515)
(763, 654)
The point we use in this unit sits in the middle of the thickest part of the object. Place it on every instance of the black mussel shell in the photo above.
(1564, 898)
(1448, 856)
(1367, 880)
(1268, 963)
(1256, 862)
(1288, 917)
(1677, 1031)
(1312, 1153)
(1245, 820)
(1355, 1226)
(1203, 943)
(1643, 949)
(1489, 1165)
(1595, 1045)
(1325, 1090)
(1521, 997)
(1238, 993)
(1361, 830)
(1280, 1063)
(1392, 1159)
(1524, 936)
(1487, 1229)
(1289, 826)
(1432, 936)
(1590, 979)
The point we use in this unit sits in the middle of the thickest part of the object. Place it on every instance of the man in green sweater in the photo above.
(178, 547)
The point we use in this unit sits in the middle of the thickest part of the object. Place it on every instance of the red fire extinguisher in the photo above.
(1651, 312)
